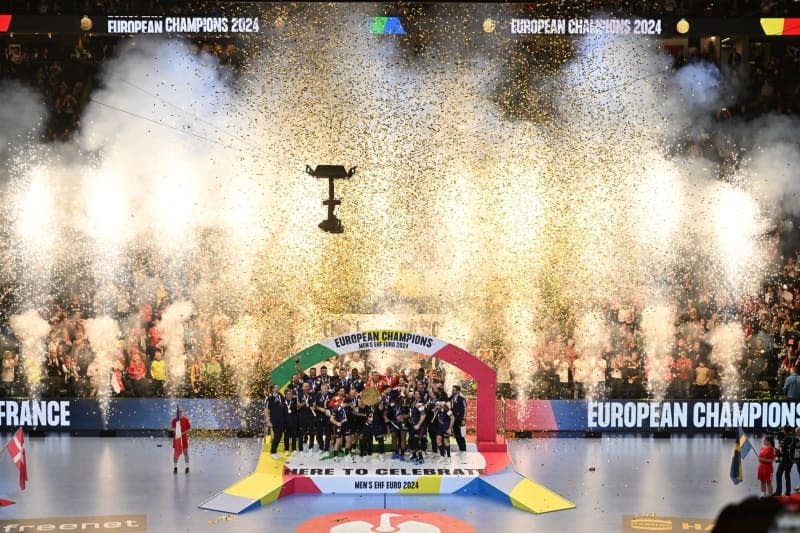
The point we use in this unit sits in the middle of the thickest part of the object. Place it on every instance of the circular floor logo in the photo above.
(385, 521)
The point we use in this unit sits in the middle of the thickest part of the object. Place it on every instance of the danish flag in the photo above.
(16, 449)
(177, 442)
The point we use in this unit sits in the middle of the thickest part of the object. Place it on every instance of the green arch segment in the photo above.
(309, 357)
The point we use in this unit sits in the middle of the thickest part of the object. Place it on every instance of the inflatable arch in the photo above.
(483, 374)
(485, 469)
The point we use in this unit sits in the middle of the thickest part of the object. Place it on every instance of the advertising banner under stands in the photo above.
(151, 414)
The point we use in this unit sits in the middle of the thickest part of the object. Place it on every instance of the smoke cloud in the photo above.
(525, 224)
(32, 330)
(103, 333)
(172, 322)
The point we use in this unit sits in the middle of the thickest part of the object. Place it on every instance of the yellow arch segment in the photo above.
(535, 498)
(265, 483)
(772, 26)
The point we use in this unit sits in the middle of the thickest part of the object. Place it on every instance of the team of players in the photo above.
(330, 410)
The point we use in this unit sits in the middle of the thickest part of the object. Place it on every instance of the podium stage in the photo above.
(487, 473)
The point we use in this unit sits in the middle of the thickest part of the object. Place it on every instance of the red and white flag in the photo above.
(16, 449)
(177, 443)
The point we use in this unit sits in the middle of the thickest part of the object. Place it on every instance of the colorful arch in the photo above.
(494, 475)
(483, 374)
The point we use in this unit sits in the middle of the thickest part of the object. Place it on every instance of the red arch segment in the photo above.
(484, 375)
(486, 393)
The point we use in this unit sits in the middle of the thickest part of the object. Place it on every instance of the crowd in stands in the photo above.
(72, 369)
(771, 322)
(65, 77)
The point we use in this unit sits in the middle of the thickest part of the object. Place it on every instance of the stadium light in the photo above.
(331, 173)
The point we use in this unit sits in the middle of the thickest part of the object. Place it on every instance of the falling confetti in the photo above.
(539, 187)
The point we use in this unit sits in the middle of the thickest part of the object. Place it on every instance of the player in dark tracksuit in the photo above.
(396, 415)
(375, 428)
(354, 382)
(275, 418)
(356, 417)
(306, 418)
(341, 425)
(458, 405)
(417, 429)
(443, 420)
(322, 379)
(323, 414)
(291, 437)
(430, 411)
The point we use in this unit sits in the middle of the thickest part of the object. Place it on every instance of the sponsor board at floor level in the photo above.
(637, 523)
(115, 523)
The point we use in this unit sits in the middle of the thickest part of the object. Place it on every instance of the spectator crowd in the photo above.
(64, 76)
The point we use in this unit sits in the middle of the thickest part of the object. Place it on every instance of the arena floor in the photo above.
(606, 478)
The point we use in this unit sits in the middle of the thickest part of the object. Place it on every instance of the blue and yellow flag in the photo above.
(740, 450)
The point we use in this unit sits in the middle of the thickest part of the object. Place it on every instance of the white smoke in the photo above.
(103, 333)
(728, 345)
(592, 339)
(659, 336)
(21, 115)
(698, 84)
(172, 323)
(773, 163)
(32, 330)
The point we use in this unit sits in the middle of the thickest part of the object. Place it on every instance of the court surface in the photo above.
(606, 478)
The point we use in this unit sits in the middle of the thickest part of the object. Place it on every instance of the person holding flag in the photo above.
(16, 449)
(180, 442)
(740, 450)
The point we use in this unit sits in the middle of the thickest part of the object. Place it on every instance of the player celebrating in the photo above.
(275, 419)
(418, 428)
(290, 437)
(356, 416)
(355, 381)
(305, 417)
(340, 421)
(322, 379)
(443, 420)
(395, 416)
(322, 414)
(375, 429)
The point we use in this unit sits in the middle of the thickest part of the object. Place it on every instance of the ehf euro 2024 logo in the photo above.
(385, 521)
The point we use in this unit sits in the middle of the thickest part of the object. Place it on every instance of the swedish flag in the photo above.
(740, 450)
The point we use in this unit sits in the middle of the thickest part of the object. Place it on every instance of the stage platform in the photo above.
(473, 472)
